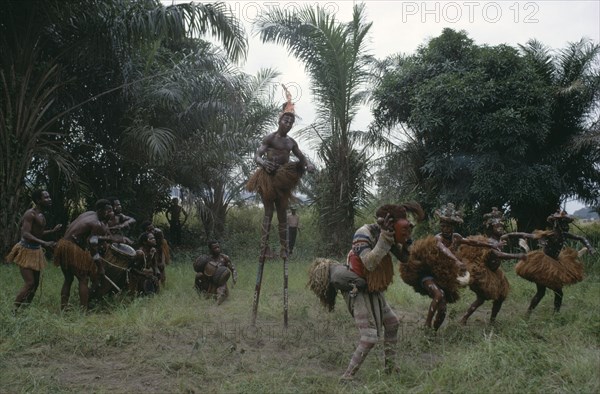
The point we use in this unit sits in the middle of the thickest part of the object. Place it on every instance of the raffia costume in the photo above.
(70, 255)
(28, 255)
(552, 273)
(278, 185)
(487, 278)
(426, 260)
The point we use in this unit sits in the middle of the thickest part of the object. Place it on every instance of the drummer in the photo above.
(120, 223)
(145, 266)
(214, 267)
(78, 252)
(162, 247)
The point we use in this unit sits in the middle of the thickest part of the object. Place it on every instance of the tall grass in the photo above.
(178, 341)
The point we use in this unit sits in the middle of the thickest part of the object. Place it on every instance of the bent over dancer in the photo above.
(433, 269)
(371, 258)
(274, 181)
(78, 252)
(488, 281)
(554, 266)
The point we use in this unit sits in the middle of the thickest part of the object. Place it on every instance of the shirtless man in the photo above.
(28, 253)
(119, 222)
(277, 176)
(488, 281)
(274, 181)
(434, 270)
(204, 282)
(173, 215)
(78, 252)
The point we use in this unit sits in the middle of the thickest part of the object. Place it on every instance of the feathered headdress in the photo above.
(561, 216)
(449, 214)
(288, 106)
(494, 217)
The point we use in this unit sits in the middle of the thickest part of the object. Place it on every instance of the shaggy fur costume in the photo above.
(426, 259)
(25, 257)
(319, 281)
(166, 252)
(69, 254)
(278, 185)
(542, 269)
(378, 279)
(487, 279)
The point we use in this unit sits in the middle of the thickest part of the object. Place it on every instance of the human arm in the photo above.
(185, 216)
(583, 240)
(302, 159)
(509, 256)
(400, 251)
(27, 226)
(154, 262)
(231, 267)
(52, 231)
(115, 238)
(440, 245)
(268, 165)
(370, 252)
(516, 235)
(127, 221)
(476, 243)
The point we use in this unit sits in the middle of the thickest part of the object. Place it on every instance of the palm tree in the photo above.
(335, 56)
(573, 78)
(225, 114)
(53, 56)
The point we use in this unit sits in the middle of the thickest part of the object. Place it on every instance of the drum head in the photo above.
(210, 268)
(221, 276)
(200, 263)
(123, 249)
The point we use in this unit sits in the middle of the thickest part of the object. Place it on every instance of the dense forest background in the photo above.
(132, 97)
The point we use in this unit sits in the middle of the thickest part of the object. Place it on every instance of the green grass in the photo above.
(179, 342)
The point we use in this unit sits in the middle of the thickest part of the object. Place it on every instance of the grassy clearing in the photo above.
(179, 342)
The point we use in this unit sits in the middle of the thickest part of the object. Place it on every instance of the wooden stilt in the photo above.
(285, 291)
(266, 227)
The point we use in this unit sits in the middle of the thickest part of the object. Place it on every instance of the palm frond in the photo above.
(156, 143)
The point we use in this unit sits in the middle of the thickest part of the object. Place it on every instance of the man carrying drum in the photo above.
(78, 252)
(213, 272)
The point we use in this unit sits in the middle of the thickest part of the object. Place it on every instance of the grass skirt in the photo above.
(33, 259)
(543, 270)
(427, 260)
(166, 252)
(278, 185)
(486, 283)
(69, 255)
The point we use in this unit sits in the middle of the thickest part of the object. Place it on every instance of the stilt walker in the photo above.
(274, 181)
